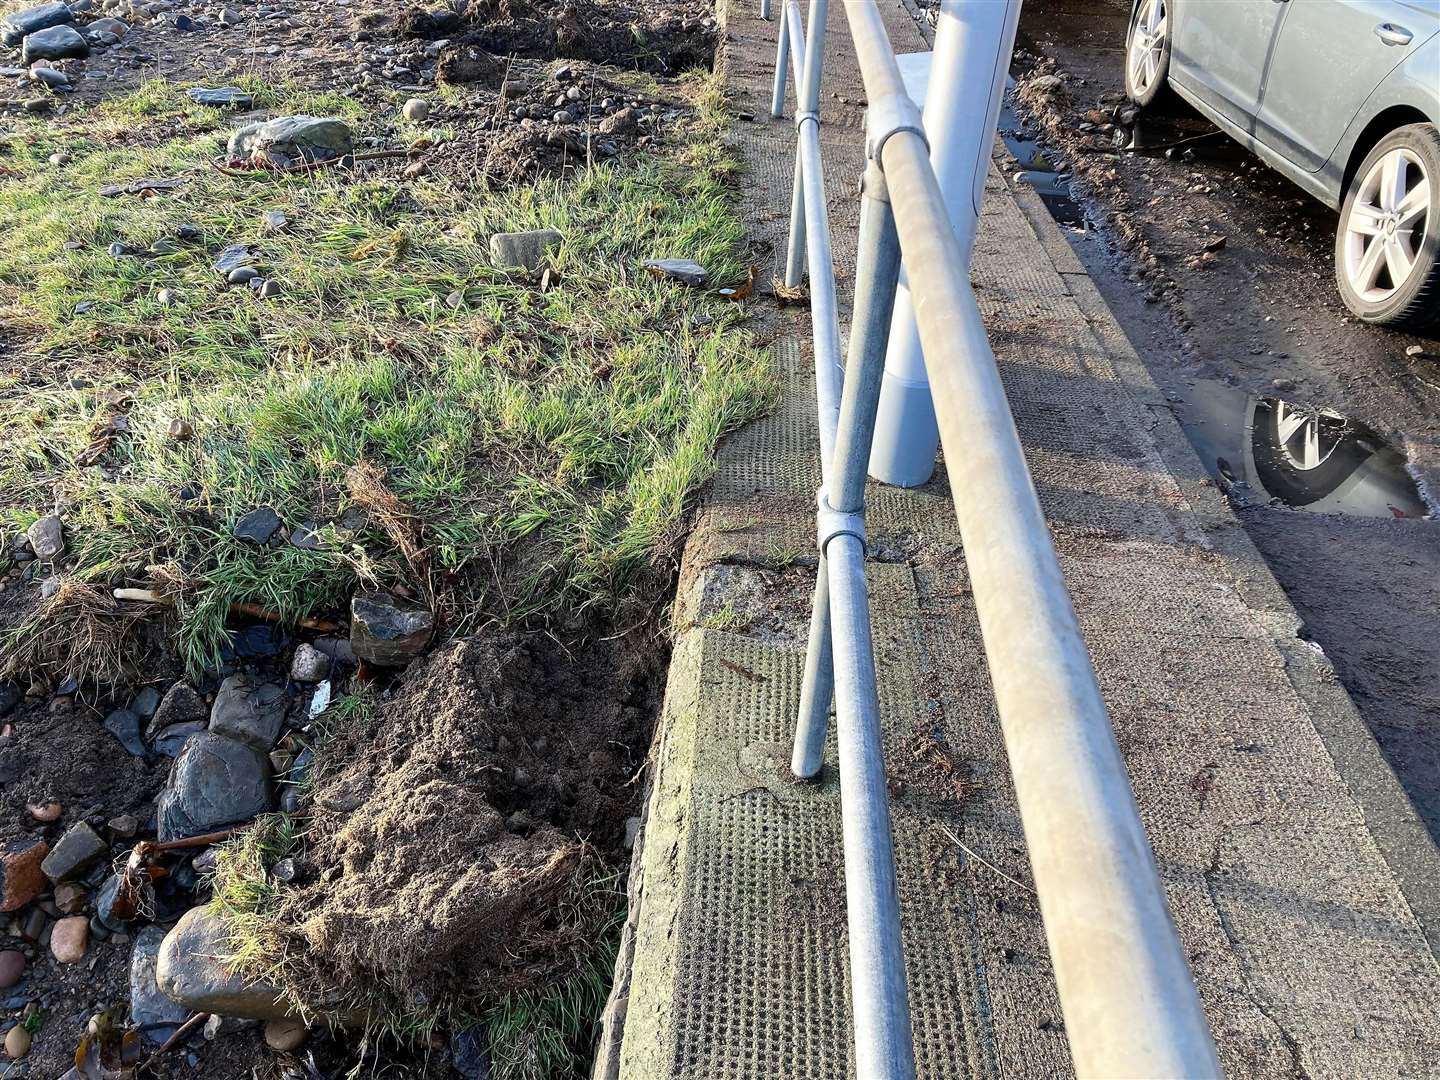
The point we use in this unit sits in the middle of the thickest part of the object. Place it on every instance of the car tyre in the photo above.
(1147, 51)
(1387, 245)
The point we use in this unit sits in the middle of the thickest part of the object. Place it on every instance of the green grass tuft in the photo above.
(548, 442)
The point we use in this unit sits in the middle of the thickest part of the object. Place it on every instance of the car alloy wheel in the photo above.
(1146, 56)
(1386, 225)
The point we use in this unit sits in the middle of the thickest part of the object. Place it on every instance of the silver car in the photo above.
(1343, 97)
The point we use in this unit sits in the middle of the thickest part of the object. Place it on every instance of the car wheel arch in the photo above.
(1375, 129)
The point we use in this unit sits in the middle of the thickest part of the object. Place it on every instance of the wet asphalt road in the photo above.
(1248, 343)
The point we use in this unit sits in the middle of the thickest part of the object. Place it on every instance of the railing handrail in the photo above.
(1130, 1006)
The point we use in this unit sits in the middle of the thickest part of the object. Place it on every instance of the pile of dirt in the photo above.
(450, 846)
(663, 38)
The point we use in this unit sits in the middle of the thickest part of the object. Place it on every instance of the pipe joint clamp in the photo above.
(809, 114)
(830, 523)
(889, 116)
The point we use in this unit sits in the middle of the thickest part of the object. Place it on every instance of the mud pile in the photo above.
(666, 37)
(451, 845)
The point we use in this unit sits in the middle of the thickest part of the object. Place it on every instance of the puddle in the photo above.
(1269, 451)
(1036, 169)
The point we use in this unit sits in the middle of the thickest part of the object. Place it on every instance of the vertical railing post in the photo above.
(765, 10)
(973, 44)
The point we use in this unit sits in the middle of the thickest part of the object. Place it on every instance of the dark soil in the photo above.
(448, 856)
(1258, 312)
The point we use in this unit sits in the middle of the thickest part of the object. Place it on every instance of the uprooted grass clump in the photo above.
(444, 879)
(544, 441)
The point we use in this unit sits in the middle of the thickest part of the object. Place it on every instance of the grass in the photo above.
(548, 442)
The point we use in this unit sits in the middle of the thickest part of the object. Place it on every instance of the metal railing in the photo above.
(1130, 1006)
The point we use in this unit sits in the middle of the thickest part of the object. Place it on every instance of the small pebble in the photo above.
(242, 275)
(45, 812)
(165, 297)
(12, 968)
(416, 110)
(70, 938)
(270, 289)
(17, 1042)
(59, 159)
(284, 1035)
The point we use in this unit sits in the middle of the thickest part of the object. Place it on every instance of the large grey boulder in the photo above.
(387, 630)
(523, 250)
(214, 782)
(249, 711)
(14, 27)
(152, 1011)
(56, 43)
(190, 970)
(289, 140)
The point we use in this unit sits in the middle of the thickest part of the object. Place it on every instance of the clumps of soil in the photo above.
(454, 845)
(664, 39)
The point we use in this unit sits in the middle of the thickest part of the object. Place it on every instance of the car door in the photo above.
(1331, 56)
(1221, 50)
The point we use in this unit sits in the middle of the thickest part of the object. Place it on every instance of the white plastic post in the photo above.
(973, 44)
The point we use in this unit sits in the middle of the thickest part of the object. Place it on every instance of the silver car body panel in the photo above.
(1298, 82)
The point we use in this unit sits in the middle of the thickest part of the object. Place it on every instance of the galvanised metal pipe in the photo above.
(1131, 1010)
(807, 106)
(973, 43)
(765, 9)
(876, 273)
(879, 1001)
(782, 62)
(884, 1045)
(824, 308)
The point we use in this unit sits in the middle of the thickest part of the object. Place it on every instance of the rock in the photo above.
(290, 139)
(214, 782)
(242, 275)
(170, 740)
(146, 702)
(1046, 84)
(9, 693)
(467, 1053)
(269, 290)
(416, 110)
(249, 712)
(45, 812)
(180, 705)
(105, 915)
(258, 526)
(21, 879)
(70, 939)
(108, 26)
(632, 832)
(124, 825)
(56, 43)
(47, 538)
(14, 27)
(12, 968)
(682, 270)
(219, 1025)
(222, 97)
(17, 1042)
(76, 852)
(523, 250)
(51, 78)
(179, 429)
(620, 123)
(309, 664)
(273, 221)
(151, 1010)
(125, 726)
(387, 630)
(188, 971)
(229, 17)
(35, 105)
(70, 897)
(284, 1034)
(1415, 350)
